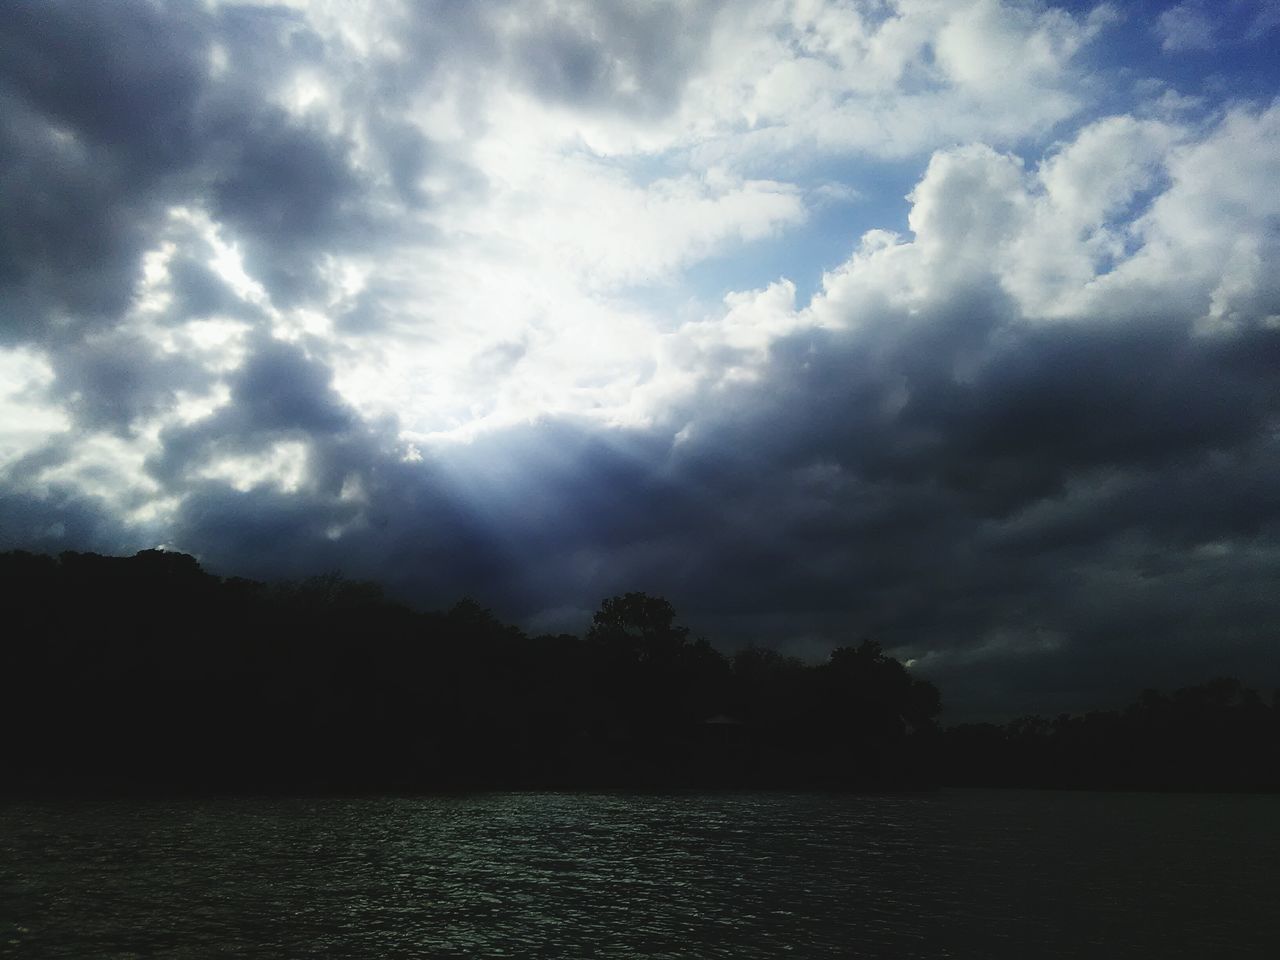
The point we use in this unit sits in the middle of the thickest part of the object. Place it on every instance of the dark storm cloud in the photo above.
(262, 532)
(151, 107)
(278, 393)
(860, 489)
(405, 527)
(111, 115)
(357, 506)
(1039, 514)
(198, 293)
(65, 519)
(135, 119)
(88, 149)
(280, 388)
(1001, 414)
(1009, 499)
(968, 477)
(109, 382)
(631, 59)
(290, 191)
(624, 57)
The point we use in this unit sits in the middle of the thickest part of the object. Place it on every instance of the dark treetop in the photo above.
(146, 672)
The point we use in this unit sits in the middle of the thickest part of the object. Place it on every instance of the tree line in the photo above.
(1218, 735)
(147, 672)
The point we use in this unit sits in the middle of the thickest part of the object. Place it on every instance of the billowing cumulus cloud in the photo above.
(545, 302)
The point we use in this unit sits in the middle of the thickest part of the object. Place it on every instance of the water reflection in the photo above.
(960, 874)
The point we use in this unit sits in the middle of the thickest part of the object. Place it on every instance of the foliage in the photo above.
(146, 670)
(1216, 735)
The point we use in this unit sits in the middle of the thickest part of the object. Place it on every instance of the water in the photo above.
(957, 874)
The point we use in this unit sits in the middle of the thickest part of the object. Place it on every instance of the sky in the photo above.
(950, 323)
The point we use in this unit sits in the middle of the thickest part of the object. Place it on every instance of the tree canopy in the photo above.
(147, 671)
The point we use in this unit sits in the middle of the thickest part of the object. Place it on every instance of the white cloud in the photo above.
(282, 465)
(585, 202)
(1187, 26)
(576, 214)
(1131, 219)
(559, 212)
(27, 420)
(109, 469)
(1220, 205)
(888, 82)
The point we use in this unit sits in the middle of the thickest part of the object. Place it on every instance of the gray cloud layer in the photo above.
(1041, 514)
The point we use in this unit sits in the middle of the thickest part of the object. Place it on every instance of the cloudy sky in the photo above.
(954, 323)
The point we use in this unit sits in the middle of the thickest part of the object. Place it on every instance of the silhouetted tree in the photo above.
(148, 671)
(1217, 735)
(638, 625)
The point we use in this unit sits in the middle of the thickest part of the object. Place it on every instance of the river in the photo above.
(981, 874)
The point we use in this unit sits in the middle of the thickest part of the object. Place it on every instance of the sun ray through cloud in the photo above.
(953, 323)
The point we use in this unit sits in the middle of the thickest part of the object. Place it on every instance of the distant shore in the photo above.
(148, 675)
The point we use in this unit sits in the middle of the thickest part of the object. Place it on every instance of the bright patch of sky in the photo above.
(544, 197)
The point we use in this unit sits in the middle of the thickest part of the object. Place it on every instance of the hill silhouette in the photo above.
(146, 672)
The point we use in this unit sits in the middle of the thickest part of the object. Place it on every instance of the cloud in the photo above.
(939, 402)
(441, 295)
(899, 80)
(923, 453)
(629, 58)
(113, 381)
(132, 124)
(1192, 26)
(86, 151)
(1186, 26)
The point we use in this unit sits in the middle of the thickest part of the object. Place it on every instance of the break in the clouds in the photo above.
(956, 324)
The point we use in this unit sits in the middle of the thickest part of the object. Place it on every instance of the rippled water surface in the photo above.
(956, 874)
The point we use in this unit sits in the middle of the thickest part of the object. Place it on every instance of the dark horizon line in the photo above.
(148, 670)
